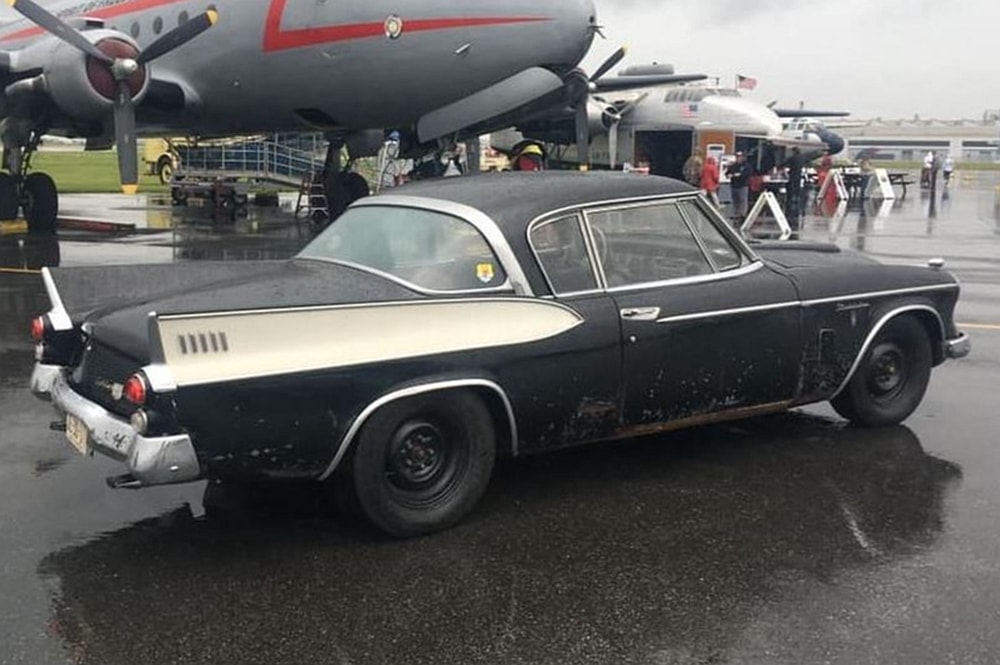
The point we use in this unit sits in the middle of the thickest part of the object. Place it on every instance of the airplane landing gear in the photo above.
(9, 199)
(33, 193)
(40, 202)
(342, 186)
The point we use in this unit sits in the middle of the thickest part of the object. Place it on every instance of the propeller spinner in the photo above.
(118, 72)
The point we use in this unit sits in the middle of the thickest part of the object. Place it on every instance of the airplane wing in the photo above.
(633, 82)
(808, 113)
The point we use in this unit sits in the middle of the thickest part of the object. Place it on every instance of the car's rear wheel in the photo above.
(422, 463)
(892, 377)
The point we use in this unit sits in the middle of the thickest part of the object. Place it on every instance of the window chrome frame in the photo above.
(750, 262)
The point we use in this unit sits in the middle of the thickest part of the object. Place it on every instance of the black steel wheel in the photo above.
(892, 377)
(8, 197)
(40, 202)
(422, 463)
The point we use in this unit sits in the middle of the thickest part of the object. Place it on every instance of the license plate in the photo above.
(76, 432)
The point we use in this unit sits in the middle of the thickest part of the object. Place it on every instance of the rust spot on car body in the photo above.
(644, 429)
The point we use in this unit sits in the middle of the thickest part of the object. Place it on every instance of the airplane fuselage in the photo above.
(286, 65)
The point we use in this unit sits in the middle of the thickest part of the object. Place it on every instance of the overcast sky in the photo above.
(889, 58)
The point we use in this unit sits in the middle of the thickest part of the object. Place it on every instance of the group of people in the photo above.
(929, 172)
(743, 178)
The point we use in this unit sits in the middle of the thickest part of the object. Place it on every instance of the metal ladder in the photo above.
(312, 200)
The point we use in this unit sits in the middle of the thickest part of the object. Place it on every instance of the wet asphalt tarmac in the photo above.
(786, 539)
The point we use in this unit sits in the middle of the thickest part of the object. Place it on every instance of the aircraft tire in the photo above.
(8, 197)
(40, 201)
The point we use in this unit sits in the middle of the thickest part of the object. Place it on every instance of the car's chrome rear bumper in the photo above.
(158, 460)
(958, 347)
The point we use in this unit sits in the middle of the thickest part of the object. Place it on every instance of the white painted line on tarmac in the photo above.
(978, 326)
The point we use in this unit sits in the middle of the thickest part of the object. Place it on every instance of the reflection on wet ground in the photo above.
(615, 554)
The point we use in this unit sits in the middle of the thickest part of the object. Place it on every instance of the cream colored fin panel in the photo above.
(225, 347)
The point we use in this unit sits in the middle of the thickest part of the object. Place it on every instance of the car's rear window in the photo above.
(429, 249)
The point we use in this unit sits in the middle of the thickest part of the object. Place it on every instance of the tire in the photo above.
(8, 197)
(165, 170)
(422, 463)
(892, 377)
(40, 203)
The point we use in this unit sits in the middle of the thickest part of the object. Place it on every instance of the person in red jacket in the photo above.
(710, 180)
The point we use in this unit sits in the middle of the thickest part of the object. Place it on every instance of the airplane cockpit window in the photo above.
(697, 94)
(428, 249)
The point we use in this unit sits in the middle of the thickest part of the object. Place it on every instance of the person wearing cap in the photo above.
(739, 173)
(528, 157)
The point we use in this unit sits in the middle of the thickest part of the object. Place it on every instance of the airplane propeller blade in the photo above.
(613, 142)
(128, 160)
(613, 60)
(629, 107)
(582, 134)
(52, 23)
(179, 36)
(121, 69)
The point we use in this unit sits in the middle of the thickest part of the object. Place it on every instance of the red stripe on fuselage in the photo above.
(111, 11)
(275, 39)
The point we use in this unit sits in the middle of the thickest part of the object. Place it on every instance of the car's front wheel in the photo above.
(892, 377)
(422, 463)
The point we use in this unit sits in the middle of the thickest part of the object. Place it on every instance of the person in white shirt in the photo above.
(925, 173)
(949, 166)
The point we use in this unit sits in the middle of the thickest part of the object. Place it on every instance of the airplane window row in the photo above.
(135, 29)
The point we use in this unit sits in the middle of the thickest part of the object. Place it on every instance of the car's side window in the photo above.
(722, 252)
(562, 255)
(650, 243)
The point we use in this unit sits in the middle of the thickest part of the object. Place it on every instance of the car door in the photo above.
(706, 327)
(567, 392)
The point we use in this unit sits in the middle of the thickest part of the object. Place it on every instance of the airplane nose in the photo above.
(577, 21)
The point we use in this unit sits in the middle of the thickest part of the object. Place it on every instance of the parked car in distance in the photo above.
(428, 331)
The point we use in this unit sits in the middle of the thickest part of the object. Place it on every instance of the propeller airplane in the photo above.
(112, 70)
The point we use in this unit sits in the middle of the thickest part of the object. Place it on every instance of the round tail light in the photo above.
(38, 328)
(135, 389)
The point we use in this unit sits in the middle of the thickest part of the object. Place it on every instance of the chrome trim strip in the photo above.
(480, 220)
(699, 279)
(403, 393)
(58, 315)
(728, 312)
(589, 205)
(324, 308)
(874, 333)
(878, 294)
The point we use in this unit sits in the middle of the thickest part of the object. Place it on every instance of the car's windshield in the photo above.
(429, 249)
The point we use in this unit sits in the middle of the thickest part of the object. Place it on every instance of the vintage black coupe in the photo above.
(430, 330)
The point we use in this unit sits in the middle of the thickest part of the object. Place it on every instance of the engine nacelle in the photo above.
(83, 86)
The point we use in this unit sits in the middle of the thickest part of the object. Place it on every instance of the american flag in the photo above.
(745, 82)
(689, 110)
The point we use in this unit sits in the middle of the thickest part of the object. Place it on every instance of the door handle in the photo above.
(640, 313)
